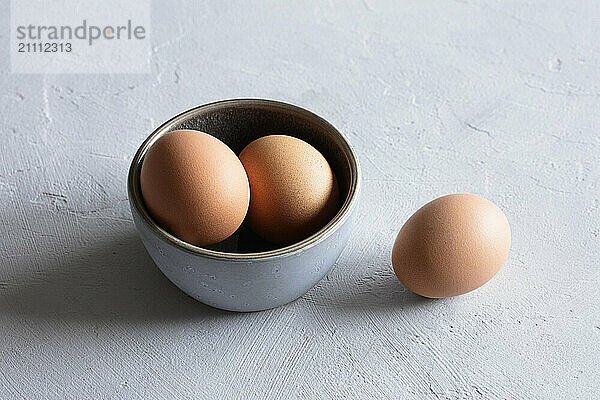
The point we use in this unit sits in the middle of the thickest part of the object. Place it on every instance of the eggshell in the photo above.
(194, 186)
(451, 246)
(293, 190)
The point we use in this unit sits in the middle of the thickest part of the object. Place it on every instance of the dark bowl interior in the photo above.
(239, 122)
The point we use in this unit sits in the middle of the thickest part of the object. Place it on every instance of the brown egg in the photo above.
(195, 187)
(451, 245)
(293, 191)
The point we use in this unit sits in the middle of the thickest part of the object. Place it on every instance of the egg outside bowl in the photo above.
(245, 273)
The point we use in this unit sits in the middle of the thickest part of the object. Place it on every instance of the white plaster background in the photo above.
(495, 98)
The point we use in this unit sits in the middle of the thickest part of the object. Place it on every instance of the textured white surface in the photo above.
(495, 98)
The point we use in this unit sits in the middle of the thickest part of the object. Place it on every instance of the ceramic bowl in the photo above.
(245, 273)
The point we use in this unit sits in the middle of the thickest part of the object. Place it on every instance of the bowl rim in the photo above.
(135, 197)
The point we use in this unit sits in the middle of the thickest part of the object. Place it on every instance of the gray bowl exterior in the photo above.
(245, 285)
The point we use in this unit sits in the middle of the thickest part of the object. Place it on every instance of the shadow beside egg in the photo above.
(378, 290)
(244, 240)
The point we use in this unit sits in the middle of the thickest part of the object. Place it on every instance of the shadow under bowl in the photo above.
(244, 272)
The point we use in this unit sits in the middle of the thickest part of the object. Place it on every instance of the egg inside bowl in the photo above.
(246, 272)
